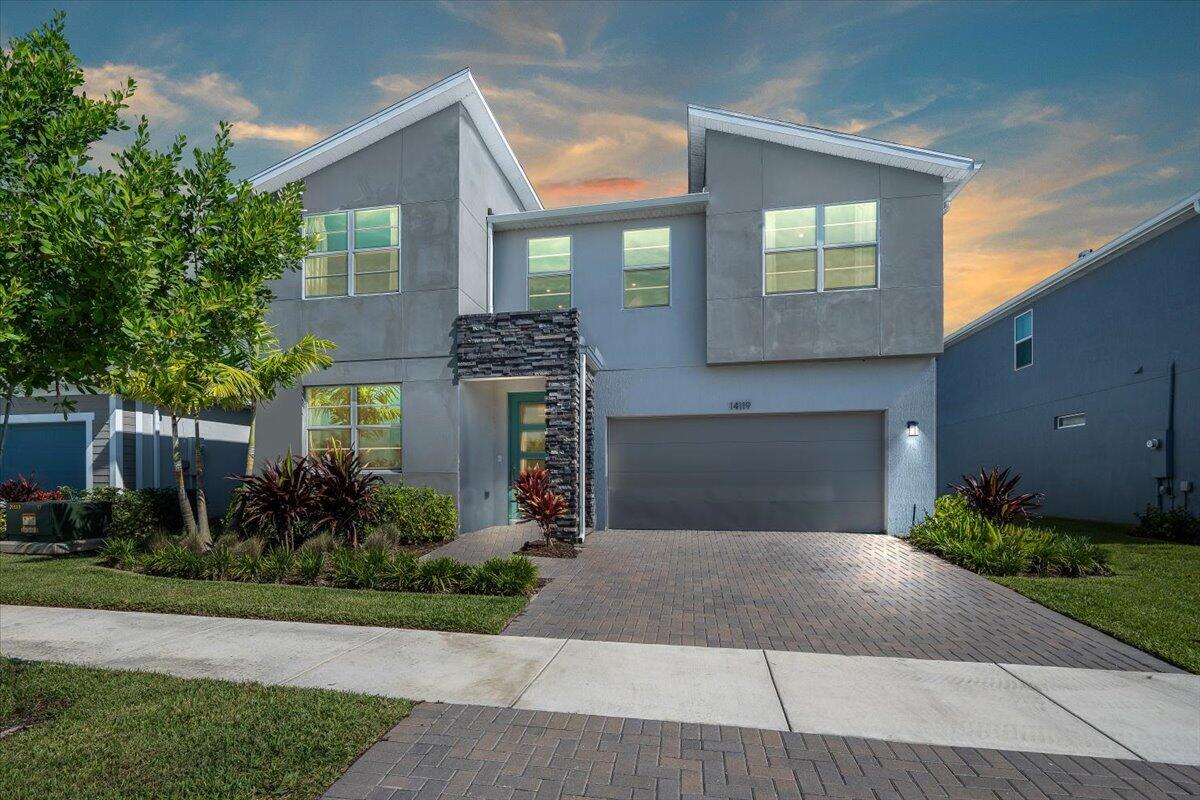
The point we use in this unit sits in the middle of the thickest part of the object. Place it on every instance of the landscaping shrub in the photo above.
(1175, 525)
(378, 540)
(174, 561)
(26, 490)
(120, 553)
(991, 494)
(320, 543)
(344, 489)
(139, 513)
(277, 566)
(400, 574)
(219, 564)
(964, 537)
(414, 514)
(281, 501)
(504, 576)
(310, 565)
(247, 567)
(360, 569)
(441, 575)
(537, 502)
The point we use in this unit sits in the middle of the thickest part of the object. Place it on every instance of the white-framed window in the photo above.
(1070, 421)
(548, 274)
(821, 248)
(366, 418)
(646, 267)
(357, 252)
(1023, 340)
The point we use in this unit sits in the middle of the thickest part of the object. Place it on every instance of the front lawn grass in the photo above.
(1151, 601)
(106, 734)
(80, 582)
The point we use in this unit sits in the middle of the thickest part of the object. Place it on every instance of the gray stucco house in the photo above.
(756, 354)
(1087, 384)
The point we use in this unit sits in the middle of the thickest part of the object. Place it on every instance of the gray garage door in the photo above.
(52, 453)
(788, 472)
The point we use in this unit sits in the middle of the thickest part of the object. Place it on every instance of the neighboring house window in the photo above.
(357, 252)
(646, 267)
(821, 248)
(1070, 421)
(1023, 340)
(366, 419)
(549, 273)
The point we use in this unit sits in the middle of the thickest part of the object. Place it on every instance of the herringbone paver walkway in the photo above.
(504, 754)
(849, 594)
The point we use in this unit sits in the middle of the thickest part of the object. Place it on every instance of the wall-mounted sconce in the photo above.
(913, 428)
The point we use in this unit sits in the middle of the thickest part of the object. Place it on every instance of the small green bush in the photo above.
(378, 540)
(360, 569)
(414, 514)
(1174, 525)
(441, 575)
(247, 567)
(139, 513)
(966, 538)
(310, 566)
(400, 575)
(120, 553)
(321, 543)
(173, 561)
(277, 566)
(515, 575)
(219, 564)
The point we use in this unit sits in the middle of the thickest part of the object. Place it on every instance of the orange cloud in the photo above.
(595, 190)
(292, 135)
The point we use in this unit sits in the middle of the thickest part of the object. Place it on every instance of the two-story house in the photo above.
(757, 354)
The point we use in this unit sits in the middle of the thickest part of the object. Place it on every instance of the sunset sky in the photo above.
(1087, 115)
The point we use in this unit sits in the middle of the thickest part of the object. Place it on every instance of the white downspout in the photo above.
(491, 306)
(582, 496)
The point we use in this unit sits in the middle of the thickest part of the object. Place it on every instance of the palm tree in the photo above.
(274, 368)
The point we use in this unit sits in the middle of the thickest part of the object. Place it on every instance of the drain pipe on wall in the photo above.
(581, 497)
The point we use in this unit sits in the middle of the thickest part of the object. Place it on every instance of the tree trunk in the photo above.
(205, 538)
(250, 441)
(185, 508)
(8, 396)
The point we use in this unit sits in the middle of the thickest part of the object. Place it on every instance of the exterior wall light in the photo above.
(913, 429)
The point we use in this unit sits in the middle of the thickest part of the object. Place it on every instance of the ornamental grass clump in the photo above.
(966, 538)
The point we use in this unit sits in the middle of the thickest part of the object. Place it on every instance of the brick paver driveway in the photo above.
(851, 594)
(504, 754)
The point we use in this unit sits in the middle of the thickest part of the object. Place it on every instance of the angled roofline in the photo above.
(650, 208)
(457, 88)
(954, 170)
(1159, 224)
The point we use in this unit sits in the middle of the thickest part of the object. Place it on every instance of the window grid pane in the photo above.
(791, 228)
(646, 288)
(549, 292)
(850, 267)
(791, 271)
(647, 248)
(366, 418)
(852, 223)
(549, 255)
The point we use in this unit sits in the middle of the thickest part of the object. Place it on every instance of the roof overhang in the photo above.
(954, 170)
(604, 212)
(458, 88)
(1157, 225)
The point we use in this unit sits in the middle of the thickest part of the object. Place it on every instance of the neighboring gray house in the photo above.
(87, 441)
(756, 354)
(1087, 384)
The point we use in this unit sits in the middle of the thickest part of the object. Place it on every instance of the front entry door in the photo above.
(526, 438)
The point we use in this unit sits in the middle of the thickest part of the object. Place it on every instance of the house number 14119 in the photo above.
(739, 405)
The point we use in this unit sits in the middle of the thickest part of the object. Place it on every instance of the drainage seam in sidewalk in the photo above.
(323, 662)
(532, 680)
(224, 622)
(775, 685)
(1103, 733)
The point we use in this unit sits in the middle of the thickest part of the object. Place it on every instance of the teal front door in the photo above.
(526, 438)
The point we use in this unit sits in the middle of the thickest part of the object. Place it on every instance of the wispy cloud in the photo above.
(297, 136)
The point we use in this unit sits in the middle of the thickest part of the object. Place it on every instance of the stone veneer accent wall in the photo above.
(527, 344)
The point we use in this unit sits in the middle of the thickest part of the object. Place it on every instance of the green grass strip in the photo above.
(80, 582)
(108, 734)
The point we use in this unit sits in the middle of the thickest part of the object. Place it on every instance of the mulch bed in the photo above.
(555, 549)
(421, 549)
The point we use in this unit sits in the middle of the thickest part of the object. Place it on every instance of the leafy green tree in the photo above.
(80, 249)
(275, 368)
(199, 334)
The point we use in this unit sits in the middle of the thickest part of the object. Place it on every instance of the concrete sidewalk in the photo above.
(1099, 713)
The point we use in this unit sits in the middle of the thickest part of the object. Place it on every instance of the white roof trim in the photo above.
(954, 170)
(458, 88)
(603, 212)
(1158, 224)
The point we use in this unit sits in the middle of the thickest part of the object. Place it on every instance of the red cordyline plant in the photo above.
(991, 494)
(281, 499)
(344, 490)
(26, 490)
(537, 502)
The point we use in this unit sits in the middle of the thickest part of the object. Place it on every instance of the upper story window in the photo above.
(549, 273)
(821, 248)
(646, 267)
(357, 252)
(366, 419)
(1023, 340)
(1070, 421)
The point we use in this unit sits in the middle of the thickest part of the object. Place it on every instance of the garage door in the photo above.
(792, 472)
(51, 452)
